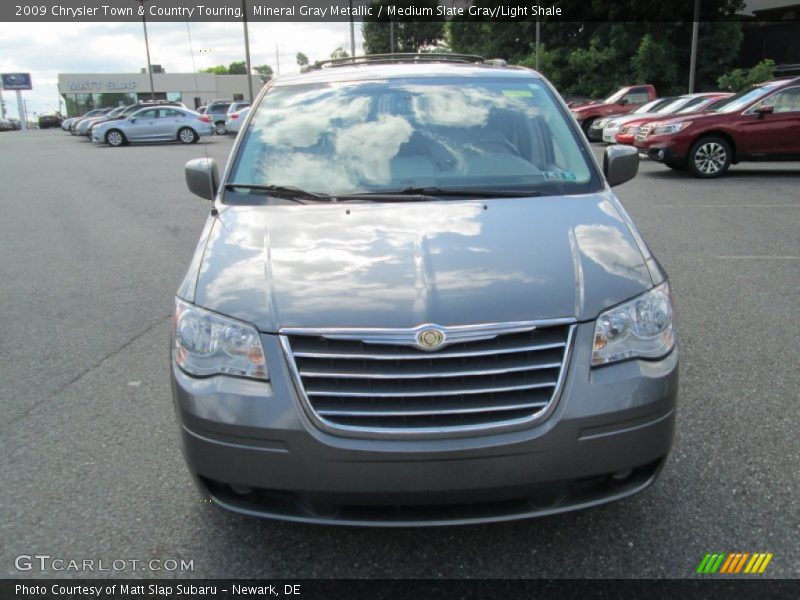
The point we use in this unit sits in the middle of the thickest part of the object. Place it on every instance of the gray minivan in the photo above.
(417, 301)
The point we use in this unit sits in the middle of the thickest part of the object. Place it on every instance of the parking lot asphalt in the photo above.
(94, 242)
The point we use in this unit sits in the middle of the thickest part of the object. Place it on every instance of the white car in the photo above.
(234, 122)
(687, 103)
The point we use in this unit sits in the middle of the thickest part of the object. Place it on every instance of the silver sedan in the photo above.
(162, 124)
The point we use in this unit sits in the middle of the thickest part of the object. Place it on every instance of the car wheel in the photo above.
(186, 135)
(710, 157)
(220, 128)
(115, 138)
(586, 126)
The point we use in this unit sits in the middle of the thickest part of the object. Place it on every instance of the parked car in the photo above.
(690, 101)
(218, 111)
(237, 106)
(235, 120)
(6, 125)
(73, 127)
(760, 123)
(627, 132)
(166, 123)
(131, 109)
(417, 301)
(85, 125)
(622, 101)
(595, 132)
(52, 119)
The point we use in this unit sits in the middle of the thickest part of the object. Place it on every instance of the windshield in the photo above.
(698, 105)
(616, 96)
(390, 135)
(652, 105)
(744, 98)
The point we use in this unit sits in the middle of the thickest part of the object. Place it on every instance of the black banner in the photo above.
(451, 589)
(380, 10)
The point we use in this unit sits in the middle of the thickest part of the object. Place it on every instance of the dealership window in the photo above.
(238, 97)
(78, 104)
(174, 97)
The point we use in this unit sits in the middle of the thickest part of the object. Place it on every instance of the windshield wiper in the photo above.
(472, 193)
(280, 191)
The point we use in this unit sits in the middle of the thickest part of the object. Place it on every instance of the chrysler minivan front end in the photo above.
(417, 301)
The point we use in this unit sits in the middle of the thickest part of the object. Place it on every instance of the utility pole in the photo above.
(248, 67)
(693, 59)
(277, 61)
(147, 48)
(391, 36)
(352, 32)
(538, 40)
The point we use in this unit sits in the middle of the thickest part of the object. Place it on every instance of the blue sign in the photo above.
(17, 81)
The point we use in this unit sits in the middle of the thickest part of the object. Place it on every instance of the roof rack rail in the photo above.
(406, 57)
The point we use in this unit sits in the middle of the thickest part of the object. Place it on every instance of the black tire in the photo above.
(114, 137)
(710, 157)
(219, 128)
(586, 126)
(187, 135)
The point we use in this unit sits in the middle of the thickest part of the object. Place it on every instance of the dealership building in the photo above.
(85, 91)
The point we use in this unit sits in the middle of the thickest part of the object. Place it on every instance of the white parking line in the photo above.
(760, 257)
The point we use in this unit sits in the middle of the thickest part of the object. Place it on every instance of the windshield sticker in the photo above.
(518, 93)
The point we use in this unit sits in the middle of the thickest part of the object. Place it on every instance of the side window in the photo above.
(785, 101)
(171, 113)
(637, 95)
(150, 113)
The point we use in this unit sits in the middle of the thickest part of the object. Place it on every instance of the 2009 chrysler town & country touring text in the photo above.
(417, 301)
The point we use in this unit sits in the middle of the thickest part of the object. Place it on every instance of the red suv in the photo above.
(761, 123)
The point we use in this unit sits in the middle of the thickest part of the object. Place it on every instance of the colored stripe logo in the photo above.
(734, 562)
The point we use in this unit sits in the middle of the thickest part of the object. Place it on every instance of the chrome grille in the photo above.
(379, 382)
(642, 132)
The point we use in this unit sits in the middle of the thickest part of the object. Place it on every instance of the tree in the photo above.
(411, 34)
(302, 59)
(740, 79)
(237, 68)
(265, 71)
(339, 53)
(606, 45)
(218, 70)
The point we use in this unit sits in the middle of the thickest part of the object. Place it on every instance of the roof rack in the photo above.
(406, 57)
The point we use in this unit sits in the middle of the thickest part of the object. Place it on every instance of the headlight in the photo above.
(670, 128)
(624, 129)
(602, 123)
(640, 328)
(205, 343)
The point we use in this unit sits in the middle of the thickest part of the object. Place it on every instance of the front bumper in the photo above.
(606, 439)
(610, 135)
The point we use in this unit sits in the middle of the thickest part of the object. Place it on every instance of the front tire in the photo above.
(220, 128)
(115, 138)
(710, 157)
(187, 135)
(586, 126)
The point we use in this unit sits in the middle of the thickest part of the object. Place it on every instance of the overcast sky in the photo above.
(47, 49)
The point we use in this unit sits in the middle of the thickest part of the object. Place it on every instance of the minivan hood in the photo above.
(402, 265)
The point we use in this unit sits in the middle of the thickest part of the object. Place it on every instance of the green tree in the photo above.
(302, 59)
(605, 45)
(339, 53)
(740, 79)
(237, 68)
(218, 70)
(411, 34)
(265, 71)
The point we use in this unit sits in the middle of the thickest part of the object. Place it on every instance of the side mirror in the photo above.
(623, 102)
(764, 110)
(620, 164)
(202, 177)
(132, 119)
